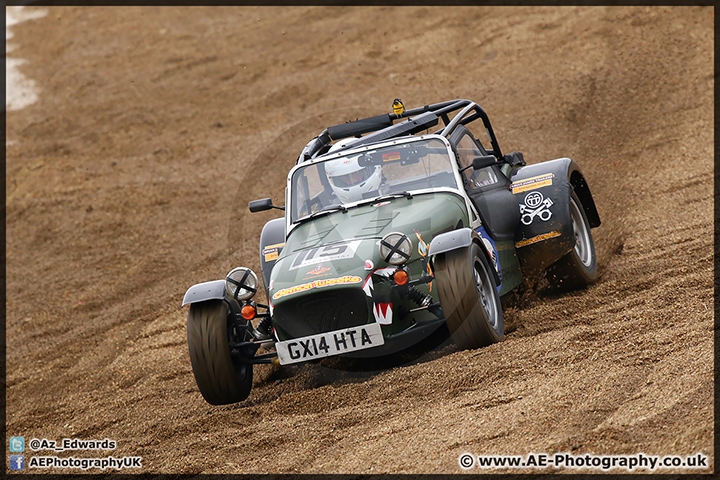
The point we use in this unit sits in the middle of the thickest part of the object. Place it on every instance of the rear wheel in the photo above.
(468, 297)
(578, 268)
(220, 376)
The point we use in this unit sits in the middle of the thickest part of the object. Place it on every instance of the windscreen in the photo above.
(358, 177)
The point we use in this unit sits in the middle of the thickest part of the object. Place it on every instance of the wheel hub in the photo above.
(482, 283)
(582, 239)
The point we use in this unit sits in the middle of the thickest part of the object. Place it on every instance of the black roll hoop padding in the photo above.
(359, 127)
(409, 127)
(382, 127)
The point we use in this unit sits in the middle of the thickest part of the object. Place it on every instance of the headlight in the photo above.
(241, 283)
(395, 248)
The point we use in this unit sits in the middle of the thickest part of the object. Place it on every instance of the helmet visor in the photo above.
(352, 179)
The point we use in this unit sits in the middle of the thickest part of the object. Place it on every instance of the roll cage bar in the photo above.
(383, 127)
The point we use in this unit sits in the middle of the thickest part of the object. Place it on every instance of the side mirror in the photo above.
(483, 161)
(480, 162)
(262, 205)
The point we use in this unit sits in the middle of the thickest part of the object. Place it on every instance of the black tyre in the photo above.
(222, 379)
(578, 268)
(469, 298)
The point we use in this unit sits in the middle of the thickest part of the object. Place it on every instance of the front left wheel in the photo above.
(221, 377)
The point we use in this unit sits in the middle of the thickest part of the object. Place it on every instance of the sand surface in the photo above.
(128, 181)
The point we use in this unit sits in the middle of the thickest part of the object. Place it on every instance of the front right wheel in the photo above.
(468, 297)
(221, 376)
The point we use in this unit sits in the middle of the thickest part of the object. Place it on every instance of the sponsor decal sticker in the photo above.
(325, 253)
(533, 199)
(384, 272)
(423, 251)
(539, 238)
(317, 284)
(383, 313)
(535, 206)
(391, 157)
(532, 183)
(272, 252)
(269, 257)
(422, 246)
(492, 251)
(319, 270)
(368, 286)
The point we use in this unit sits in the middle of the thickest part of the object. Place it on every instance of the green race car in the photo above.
(393, 235)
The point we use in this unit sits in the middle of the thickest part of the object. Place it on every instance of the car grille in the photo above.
(321, 312)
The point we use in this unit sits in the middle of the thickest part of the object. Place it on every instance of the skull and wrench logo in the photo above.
(535, 205)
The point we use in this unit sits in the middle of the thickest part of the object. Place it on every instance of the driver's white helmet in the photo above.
(349, 180)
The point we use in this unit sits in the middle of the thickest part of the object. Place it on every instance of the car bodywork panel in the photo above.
(202, 292)
(543, 194)
(272, 242)
(337, 257)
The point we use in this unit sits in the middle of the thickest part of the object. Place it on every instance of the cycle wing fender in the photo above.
(460, 238)
(543, 192)
(202, 292)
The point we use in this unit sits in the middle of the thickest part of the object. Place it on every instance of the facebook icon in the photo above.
(17, 462)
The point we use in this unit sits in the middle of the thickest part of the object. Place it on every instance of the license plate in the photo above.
(329, 343)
